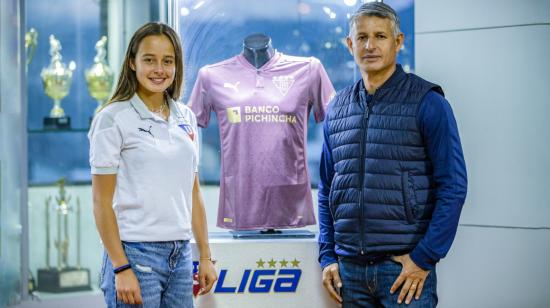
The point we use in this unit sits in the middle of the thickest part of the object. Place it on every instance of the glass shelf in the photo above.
(70, 130)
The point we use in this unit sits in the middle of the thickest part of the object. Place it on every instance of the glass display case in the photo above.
(60, 222)
(56, 152)
(213, 31)
(78, 47)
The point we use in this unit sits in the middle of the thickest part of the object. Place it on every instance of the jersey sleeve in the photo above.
(199, 101)
(321, 90)
(106, 144)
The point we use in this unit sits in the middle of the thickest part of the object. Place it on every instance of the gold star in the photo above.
(260, 263)
(283, 263)
(295, 263)
(272, 262)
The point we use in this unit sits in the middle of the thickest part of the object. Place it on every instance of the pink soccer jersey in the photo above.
(263, 115)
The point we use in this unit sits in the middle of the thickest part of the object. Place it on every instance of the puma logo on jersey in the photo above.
(146, 131)
(232, 86)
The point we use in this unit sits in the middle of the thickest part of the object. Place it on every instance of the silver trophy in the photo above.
(62, 277)
(56, 79)
(100, 76)
(62, 242)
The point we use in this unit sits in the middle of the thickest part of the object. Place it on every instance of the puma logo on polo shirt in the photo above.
(146, 131)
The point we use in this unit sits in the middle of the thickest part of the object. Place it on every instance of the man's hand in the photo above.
(332, 282)
(127, 288)
(207, 276)
(413, 277)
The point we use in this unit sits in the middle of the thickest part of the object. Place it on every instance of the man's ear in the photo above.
(349, 42)
(400, 39)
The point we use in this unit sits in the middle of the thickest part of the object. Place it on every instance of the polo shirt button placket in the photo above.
(169, 128)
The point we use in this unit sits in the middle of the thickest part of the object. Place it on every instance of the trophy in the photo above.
(56, 79)
(31, 41)
(62, 277)
(99, 77)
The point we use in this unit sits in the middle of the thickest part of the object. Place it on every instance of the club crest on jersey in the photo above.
(189, 130)
(283, 83)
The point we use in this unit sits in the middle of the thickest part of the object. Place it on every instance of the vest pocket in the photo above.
(408, 194)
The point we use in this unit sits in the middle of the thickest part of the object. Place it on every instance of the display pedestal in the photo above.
(272, 234)
(66, 280)
(281, 272)
(57, 123)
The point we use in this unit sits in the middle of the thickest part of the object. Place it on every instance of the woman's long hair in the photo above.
(127, 81)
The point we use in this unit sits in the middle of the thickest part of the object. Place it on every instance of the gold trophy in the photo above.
(63, 278)
(31, 41)
(56, 79)
(99, 77)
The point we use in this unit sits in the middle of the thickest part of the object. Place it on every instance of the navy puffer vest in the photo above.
(381, 196)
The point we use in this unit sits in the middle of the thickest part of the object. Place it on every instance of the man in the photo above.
(393, 177)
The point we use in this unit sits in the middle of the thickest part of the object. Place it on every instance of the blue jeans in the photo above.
(164, 271)
(368, 285)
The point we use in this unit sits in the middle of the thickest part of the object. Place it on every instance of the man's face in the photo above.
(373, 45)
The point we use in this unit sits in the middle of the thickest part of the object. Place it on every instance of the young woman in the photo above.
(146, 194)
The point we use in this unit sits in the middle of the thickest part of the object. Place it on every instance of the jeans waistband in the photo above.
(364, 260)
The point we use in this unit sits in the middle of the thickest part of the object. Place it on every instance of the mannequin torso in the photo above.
(257, 49)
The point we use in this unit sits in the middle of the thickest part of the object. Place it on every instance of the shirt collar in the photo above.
(276, 56)
(394, 79)
(144, 112)
(176, 115)
(140, 107)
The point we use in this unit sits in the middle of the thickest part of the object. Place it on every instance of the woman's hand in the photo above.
(207, 276)
(127, 288)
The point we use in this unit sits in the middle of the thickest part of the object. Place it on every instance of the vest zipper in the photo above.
(364, 130)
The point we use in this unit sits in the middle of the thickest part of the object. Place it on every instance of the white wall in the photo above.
(492, 59)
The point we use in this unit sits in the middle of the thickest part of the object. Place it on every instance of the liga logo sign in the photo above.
(277, 276)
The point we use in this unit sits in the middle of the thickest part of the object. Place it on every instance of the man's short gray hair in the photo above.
(378, 9)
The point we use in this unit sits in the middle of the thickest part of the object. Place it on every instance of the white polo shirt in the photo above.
(155, 162)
